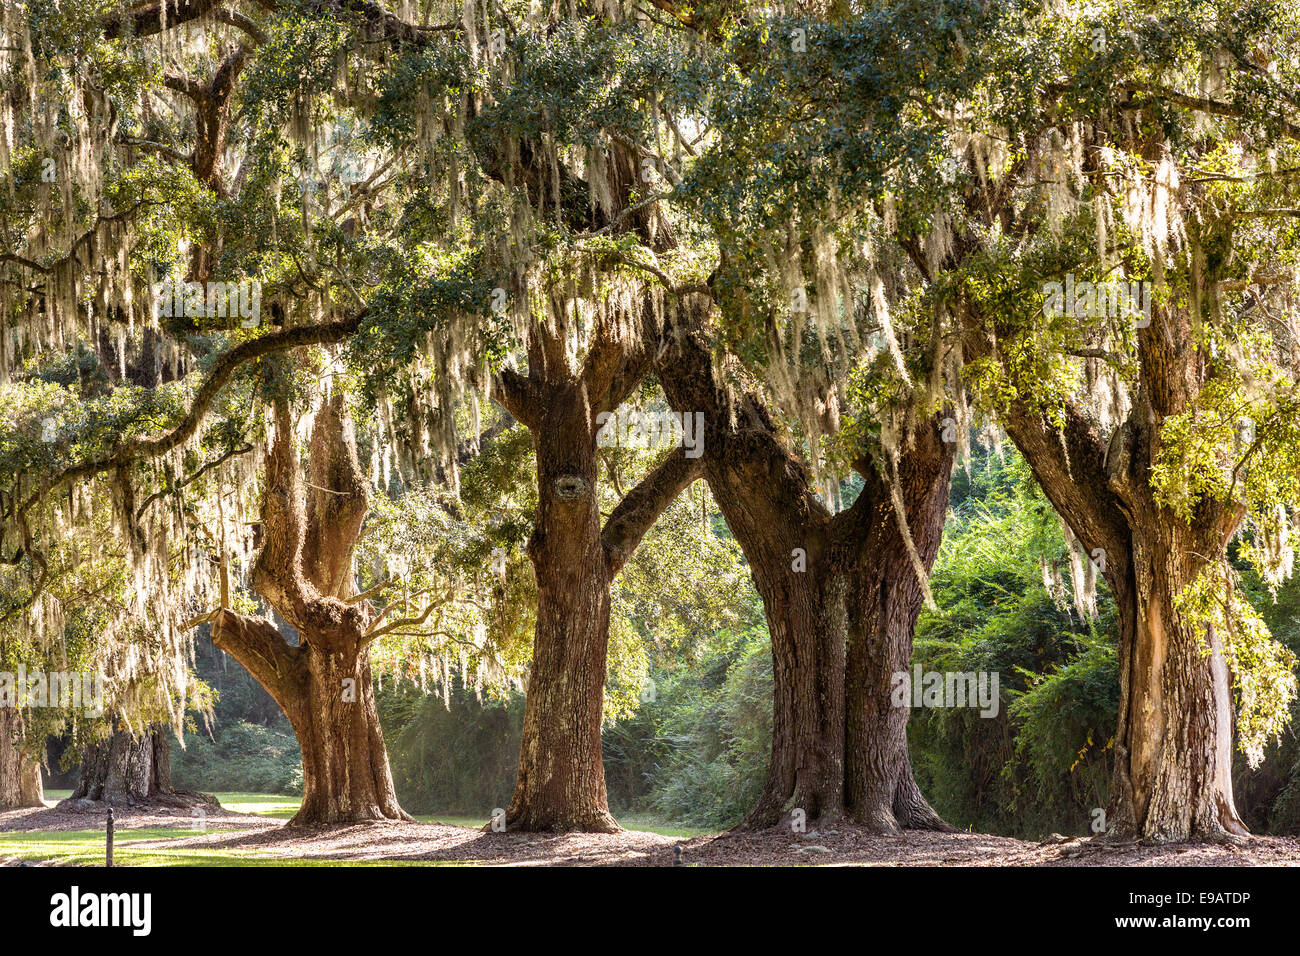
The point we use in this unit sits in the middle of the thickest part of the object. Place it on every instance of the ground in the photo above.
(251, 832)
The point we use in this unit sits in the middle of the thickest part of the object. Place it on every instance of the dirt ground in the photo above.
(838, 846)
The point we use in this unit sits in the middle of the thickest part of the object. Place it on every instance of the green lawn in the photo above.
(283, 806)
(86, 847)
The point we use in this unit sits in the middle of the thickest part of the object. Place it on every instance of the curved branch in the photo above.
(222, 372)
(165, 15)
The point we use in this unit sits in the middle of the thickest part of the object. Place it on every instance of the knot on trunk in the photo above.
(571, 487)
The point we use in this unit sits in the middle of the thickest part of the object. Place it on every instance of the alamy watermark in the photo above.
(1096, 300)
(214, 300)
(947, 689)
(637, 429)
(65, 690)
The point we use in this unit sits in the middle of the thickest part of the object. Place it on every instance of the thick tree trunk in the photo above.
(346, 776)
(804, 601)
(132, 771)
(20, 775)
(886, 601)
(841, 598)
(325, 688)
(323, 684)
(1173, 745)
(561, 779)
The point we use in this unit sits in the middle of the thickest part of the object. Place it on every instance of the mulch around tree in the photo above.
(842, 845)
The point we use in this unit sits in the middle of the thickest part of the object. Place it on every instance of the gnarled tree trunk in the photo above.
(560, 785)
(1172, 778)
(885, 602)
(323, 684)
(130, 770)
(840, 594)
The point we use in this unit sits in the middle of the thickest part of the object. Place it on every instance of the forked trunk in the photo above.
(840, 595)
(1173, 743)
(886, 601)
(304, 570)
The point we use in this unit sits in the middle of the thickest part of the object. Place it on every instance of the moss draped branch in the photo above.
(223, 370)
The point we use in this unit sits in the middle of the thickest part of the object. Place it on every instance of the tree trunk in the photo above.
(840, 595)
(304, 570)
(1174, 739)
(325, 688)
(1173, 744)
(561, 779)
(346, 777)
(20, 775)
(804, 601)
(886, 601)
(130, 771)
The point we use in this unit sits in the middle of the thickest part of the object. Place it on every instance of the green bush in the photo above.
(244, 757)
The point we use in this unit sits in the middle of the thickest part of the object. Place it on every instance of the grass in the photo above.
(86, 847)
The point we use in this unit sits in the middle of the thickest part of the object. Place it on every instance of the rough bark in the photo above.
(885, 601)
(304, 570)
(132, 770)
(561, 780)
(560, 785)
(841, 626)
(20, 774)
(1172, 779)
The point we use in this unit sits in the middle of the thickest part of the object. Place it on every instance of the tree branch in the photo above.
(519, 396)
(163, 15)
(222, 371)
(640, 508)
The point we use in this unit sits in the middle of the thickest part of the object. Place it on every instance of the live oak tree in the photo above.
(823, 231)
(550, 230)
(139, 426)
(576, 98)
(1197, 444)
(1062, 152)
(765, 351)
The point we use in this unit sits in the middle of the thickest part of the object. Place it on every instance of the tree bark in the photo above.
(304, 570)
(1173, 768)
(885, 602)
(560, 785)
(127, 770)
(20, 775)
(840, 595)
(1173, 745)
(561, 779)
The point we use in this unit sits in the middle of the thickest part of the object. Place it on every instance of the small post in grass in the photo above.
(108, 853)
